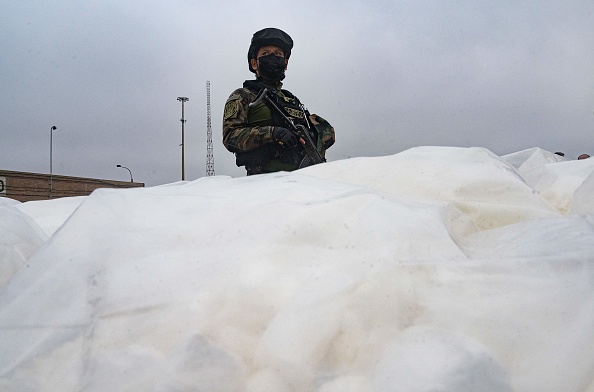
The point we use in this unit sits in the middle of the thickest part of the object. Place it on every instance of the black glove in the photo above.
(284, 137)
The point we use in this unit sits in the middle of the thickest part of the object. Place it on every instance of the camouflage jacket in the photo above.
(247, 132)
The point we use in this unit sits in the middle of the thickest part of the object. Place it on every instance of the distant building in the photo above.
(34, 186)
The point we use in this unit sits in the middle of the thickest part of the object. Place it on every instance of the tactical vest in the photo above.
(273, 157)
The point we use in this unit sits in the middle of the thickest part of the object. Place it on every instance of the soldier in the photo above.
(259, 136)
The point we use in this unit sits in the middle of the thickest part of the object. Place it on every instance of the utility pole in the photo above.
(209, 155)
(183, 100)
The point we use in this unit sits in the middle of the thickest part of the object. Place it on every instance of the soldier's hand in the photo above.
(284, 137)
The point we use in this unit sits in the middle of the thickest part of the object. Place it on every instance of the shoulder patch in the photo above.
(231, 107)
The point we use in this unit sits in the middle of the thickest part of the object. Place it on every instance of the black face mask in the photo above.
(272, 67)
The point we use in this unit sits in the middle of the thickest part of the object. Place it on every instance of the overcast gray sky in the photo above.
(388, 75)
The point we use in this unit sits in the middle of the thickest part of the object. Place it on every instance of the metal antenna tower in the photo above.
(209, 155)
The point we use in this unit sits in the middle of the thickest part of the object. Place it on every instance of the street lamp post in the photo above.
(124, 167)
(183, 100)
(52, 129)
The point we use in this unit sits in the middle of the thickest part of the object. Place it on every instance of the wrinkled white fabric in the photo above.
(433, 269)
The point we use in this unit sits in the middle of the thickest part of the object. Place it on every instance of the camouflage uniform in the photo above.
(247, 132)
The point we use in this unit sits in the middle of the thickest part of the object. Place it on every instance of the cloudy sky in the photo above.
(389, 75)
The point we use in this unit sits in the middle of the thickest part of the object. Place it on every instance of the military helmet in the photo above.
(269, 36)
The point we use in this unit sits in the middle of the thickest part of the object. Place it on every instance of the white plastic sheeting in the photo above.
(438, 268)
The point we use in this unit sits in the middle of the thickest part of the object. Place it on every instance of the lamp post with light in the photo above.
(124, 167)
(52, 129)
(183, 120)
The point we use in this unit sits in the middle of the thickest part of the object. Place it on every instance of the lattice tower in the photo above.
(209, 155)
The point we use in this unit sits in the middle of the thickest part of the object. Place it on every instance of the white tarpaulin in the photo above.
(437, 268)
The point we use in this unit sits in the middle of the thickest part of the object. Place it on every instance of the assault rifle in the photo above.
(312, 155)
